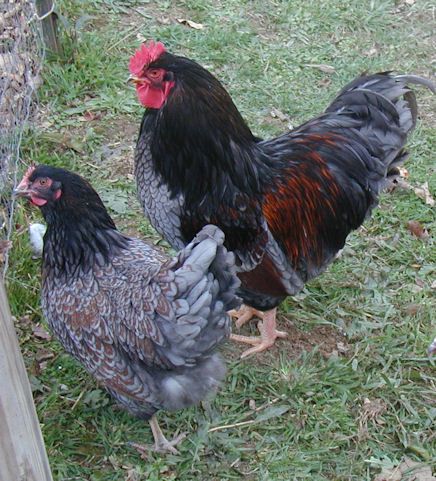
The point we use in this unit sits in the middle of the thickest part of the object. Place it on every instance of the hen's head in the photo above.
(52, 188)
(149, 71)
(39, 185)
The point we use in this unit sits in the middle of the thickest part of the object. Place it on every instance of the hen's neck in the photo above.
(75, 241)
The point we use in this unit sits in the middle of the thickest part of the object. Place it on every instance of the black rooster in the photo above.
(286, 205)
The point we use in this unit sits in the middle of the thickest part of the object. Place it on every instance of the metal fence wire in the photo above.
(21, 56)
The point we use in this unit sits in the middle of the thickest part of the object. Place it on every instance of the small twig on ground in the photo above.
(245, 423)
(234, 425)
(76, 402)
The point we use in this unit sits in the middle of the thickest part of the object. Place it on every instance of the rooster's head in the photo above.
(153, 81)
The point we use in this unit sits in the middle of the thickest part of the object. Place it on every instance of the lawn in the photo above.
(352, 391)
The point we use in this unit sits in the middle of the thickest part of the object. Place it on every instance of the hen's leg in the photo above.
(268, 334)
(161, 443)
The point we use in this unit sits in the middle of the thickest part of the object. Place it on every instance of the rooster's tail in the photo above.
(387, 108)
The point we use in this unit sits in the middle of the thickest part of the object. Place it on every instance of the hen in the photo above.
(286, 205)
(145, 326)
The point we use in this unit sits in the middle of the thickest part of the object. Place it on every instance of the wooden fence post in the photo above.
(22, 452)
(49, 25)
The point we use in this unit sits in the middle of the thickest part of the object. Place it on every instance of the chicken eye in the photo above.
(154, 73)
(42, 182)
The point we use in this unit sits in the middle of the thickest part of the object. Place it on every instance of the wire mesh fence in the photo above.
(21, 56)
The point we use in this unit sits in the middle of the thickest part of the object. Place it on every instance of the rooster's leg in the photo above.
(244, 314)
(268, 334)
(161, 443)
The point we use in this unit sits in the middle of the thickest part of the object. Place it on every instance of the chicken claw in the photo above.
(244, 314)
(268, 334)
(161, 443)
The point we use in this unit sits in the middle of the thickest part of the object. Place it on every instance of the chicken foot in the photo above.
(161, 443)
(244, 314)
(267, 329)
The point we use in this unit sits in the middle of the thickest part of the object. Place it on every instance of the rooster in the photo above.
(286, 205)
(145, 326)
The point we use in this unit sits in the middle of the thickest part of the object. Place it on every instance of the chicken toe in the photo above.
(161, 443)
(268, 335)
(244, 314)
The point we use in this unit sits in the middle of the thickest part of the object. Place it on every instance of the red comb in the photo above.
(25, 180)
(147, 53)
(29, 171)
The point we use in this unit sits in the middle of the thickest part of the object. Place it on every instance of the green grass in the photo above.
(352, 389)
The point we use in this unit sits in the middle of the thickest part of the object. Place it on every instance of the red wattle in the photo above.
(153, 97)
(38, 201)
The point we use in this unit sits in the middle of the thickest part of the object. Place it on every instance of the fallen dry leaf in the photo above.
(371, 52)
(423, 193)
(42, 366)
(404, 173)
(43, 355)
(413, 471)
(321, 66)
(389, 475)
(278, 114)
(342, 348)
(41, 360)
(432, 348)
(412, 309)
(190, 23)
(89, 116)
(408, 470)
(398, 183)
(164, 20)
(325, 82)
(24, 321)
(417, 229)
(132, 475)
(39, 332)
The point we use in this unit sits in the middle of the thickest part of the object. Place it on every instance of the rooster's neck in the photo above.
(203, 150)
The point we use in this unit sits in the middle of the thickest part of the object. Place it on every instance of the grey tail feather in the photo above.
(224, 270)
(410, 97)
(416, 79)
(393, 172)
(222, 265)
(189, 386)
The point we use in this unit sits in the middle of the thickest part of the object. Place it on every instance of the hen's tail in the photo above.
(206, 282)
(386, 108)
(206, 253)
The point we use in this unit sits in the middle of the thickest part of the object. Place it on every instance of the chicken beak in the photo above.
(132, 79)
(22, 189)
